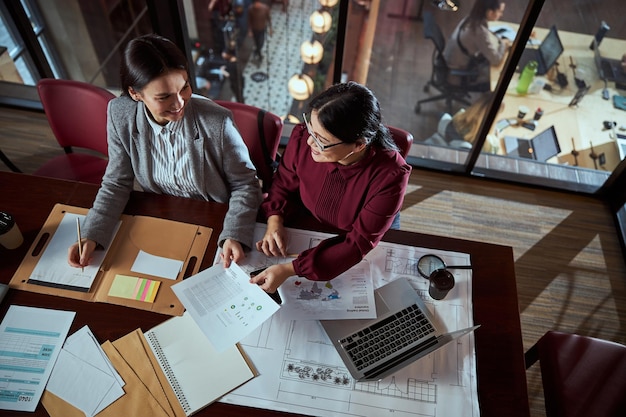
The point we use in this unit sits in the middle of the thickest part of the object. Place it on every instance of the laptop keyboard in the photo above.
(386, 337)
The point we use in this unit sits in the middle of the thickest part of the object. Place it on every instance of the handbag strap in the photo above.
(458, 38)
(271, 162)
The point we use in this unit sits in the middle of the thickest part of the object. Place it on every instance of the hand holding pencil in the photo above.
(80, 253)
(80, 244)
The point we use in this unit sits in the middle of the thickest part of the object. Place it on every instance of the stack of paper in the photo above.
(84, 376)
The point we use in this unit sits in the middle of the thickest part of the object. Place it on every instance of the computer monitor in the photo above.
(546, 55)
(545, 145)
(551, 48)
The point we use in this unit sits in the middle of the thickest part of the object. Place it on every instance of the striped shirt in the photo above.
(171, 163)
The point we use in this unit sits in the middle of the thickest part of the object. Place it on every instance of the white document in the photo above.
(348, 296)
(158, 266)
(196, 372)
(84, 376)
(224, 304)
(30, 342)
(52, 268)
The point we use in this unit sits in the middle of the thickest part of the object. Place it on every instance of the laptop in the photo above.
(546, 55)
(402, 333)
(540, 148)
(609, 69)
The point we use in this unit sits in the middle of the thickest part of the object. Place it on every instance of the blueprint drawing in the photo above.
(301, 372)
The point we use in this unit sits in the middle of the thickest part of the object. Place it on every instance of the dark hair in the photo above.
(148, 57)
(351, 112)
(479, 11)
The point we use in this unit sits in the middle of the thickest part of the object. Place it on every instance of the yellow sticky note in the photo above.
(134, 288)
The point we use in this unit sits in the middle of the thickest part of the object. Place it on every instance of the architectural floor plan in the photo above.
(301, 372)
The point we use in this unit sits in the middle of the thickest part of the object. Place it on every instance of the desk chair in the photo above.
(403, 140)
(261, 132)
(77, 113)
(582, 376)
(441, 74)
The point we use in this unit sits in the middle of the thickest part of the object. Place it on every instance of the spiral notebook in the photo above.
(196, 373)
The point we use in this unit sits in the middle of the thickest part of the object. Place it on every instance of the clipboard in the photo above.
(160, 237)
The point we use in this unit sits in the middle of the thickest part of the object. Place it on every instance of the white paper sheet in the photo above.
(158, 266)
(348, 296)
(84, 376)
(52, 268)
(224, 304)
(30, 342)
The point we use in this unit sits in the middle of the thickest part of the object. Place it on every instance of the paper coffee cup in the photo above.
(522, 111)
(10, 235)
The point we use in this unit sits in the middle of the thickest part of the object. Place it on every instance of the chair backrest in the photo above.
(77, 113)
(258, 127)
(402, 138)
(581, 375)
(433, 32)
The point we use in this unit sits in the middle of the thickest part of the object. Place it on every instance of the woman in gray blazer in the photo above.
(165, 141)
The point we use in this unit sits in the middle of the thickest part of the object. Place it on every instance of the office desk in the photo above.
(579, 127)
(499, 350)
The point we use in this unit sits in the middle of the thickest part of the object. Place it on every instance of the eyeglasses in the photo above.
(319, 144)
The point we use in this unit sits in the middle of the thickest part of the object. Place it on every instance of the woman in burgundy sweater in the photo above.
(343, 166)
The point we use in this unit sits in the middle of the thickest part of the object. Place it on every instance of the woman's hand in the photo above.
(88, 246)
(274, 243)
(231, 251)
(270, 279)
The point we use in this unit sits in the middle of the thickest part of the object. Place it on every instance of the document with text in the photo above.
(30, 341)
(348, 296)
(224, 304)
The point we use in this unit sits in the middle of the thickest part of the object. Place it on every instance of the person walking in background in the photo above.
(259, 22)
(219, 10)
(342, 166)
(168, 142)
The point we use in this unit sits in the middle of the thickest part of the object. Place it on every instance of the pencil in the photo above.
(80, 243)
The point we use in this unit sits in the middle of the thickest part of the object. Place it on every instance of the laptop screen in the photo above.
(551, 48)
(597, 59)
(546, 145)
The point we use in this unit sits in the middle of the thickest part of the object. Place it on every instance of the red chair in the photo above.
(582, 376)
(77, 113)
(261, 132)
(403, 140)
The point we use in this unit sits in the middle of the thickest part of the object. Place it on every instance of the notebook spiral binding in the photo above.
(169, 374)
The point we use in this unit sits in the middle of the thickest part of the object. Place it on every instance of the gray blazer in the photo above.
(223, 171)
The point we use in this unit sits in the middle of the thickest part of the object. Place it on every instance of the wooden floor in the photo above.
(571, 274)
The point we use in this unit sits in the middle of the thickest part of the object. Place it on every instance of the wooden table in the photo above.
(499, 350)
